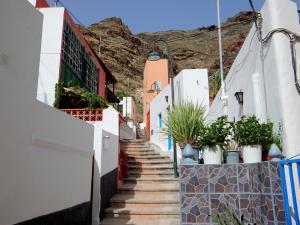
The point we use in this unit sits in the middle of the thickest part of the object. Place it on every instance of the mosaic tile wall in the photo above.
(252, 191)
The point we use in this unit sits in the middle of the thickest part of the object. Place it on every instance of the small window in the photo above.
(160, 120)
(158, 85)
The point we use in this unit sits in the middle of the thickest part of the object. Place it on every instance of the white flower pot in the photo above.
(212, 155)
(252, 153)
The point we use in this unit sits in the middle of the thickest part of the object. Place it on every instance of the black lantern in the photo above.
(167, 98)
(239, 97)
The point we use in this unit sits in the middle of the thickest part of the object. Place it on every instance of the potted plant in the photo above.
(183, 124)
(232, 152)
(212, 138)
(253, 137)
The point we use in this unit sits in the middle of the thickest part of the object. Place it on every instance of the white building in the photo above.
(46, 156)
(66, 56)
(128, 108)
(189, 85)
(265, 75)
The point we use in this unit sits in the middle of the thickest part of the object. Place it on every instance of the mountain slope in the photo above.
(125, 53)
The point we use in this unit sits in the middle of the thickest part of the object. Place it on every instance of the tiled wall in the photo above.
(250, 190)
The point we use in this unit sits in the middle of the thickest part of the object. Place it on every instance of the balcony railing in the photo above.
(110, 96)
(86, 114)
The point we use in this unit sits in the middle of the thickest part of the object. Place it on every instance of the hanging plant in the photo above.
(72, 97)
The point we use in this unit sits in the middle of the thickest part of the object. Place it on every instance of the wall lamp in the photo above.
(167, 98)
(239, 95)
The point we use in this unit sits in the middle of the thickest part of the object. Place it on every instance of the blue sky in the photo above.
(156, 15)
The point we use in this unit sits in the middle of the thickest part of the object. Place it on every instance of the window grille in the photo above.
(79, 61)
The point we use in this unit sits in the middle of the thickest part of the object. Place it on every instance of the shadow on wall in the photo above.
(109, 180)
(96, 198)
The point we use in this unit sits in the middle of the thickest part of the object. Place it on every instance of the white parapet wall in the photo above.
(106, 145)
(45, 156)
(265, 76)
(127, 130)
(50, 53)
(189, 85)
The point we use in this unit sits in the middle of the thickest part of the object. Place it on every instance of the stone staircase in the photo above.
(150, 194)
(140, 133)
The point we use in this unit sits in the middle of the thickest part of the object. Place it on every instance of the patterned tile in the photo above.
(275, 178)
(223, 178)
(195, 208)
(244, 178)
(265, 178)
(194, 179)
(267, 214)
(255, 178)
(246, 207)
(279, 208)
(256, 208)
(220, 201)
(244, 188)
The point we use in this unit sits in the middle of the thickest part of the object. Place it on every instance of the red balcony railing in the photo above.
(86, 114)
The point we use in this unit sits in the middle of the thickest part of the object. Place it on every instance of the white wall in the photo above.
(131, 108)
(189, 85)
(46, 156)
(33, 2)
(50, 53)
(265, 75)
(106, 145)
(127, 131)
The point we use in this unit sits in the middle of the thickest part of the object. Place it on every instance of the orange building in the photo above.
(156, 78)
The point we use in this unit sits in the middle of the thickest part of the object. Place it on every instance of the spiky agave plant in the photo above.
(184, 122)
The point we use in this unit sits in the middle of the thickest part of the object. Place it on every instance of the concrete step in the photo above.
(151, 171)
(143, 213)
(150, 167)
(148, 188)
(134, 146)
(139, 173)
(151, 180)
(129, 144)
(156, 157)
(140, 150)
(115, 221)
(150, 162)
(136, 141)
(145, 200)
(137, 154)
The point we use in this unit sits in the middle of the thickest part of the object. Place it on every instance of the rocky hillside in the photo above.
(125, 53)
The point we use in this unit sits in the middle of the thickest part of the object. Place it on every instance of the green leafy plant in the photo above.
(214, 84)
(278, 141)
(215, 133)
(249, 131)
(228, 217)
(58, 92)
(120, 94)
(185, 121)
(77, 97)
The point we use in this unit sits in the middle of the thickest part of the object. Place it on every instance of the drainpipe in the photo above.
(224, 97)
(259, 97)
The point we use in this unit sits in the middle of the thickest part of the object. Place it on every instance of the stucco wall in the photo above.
(46, 156)
(106, 145)
(129, 101)
(154, 71)
(265, 75)
(50, 53)
(127, 131)
(189, 85)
